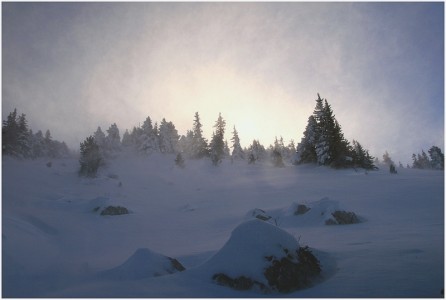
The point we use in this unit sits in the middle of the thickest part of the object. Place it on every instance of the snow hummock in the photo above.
(143, 263)
(54, 244)
(244, 253)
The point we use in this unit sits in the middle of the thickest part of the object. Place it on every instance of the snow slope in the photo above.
(54, 243)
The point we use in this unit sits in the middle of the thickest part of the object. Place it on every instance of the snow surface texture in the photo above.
(55, 245)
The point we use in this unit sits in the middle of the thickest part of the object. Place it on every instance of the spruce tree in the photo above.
(437, 158)
(237, 151)
(217, 143)
(199, 144)
(306, 151)
(90, 159)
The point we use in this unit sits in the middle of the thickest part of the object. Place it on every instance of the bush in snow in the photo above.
(295, 271)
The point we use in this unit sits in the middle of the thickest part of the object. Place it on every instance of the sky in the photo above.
(71, 67)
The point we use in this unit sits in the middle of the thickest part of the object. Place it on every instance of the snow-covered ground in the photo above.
(55, 243)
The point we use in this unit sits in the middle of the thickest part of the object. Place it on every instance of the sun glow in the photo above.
(244, 101)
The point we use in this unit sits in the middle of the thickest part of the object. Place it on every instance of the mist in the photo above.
(72, 67)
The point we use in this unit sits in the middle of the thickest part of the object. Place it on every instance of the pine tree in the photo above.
(276, 158)
(217, 146)
(306, 151)
(10, 133)
(437, 158)
(256, 152)
(147, 140)
(100, 140)
(387, 160)
(237, 151)
(90, 159)
(199, 144)
(185, 143)
(179, 161)
(126, 139)
(361, 157)
(23, 138)
(112, 141)
(168, 137)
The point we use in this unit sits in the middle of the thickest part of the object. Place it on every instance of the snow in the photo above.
(142, 264)
(55, 245)
(244, 253)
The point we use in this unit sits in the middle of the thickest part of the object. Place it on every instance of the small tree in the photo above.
(179, 161)
(392, 169)
(90, 159)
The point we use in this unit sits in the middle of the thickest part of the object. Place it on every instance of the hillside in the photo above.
(55, 243)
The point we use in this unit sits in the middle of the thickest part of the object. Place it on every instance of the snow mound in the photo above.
(244, 254)
(142, 264)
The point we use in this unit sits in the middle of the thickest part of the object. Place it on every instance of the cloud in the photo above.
(260, 64)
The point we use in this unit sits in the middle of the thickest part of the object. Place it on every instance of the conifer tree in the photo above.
(306, 151)
(168, 137)
(217, 143)
(237, 151)
(437, 158)
(256, 152)
(199, 144)
(90, 159)
(112, 141)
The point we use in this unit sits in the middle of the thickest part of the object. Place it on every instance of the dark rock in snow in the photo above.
(240, 283)
(260, 214)
(301, 209)
(114, 210)
(342, 217)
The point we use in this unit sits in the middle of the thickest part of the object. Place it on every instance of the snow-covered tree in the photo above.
(361, 157)
(90, 159)
(387, 160)
(148, 141)
(168, 137)
(10, 135)
(256, 152)
(199, 144)
(237, 151)
(126, 139)
(185, 144)
(217, 146)
(100, 140)
(306, 150)
(437, 158)
(113, 140)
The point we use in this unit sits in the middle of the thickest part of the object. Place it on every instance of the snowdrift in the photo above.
(143, 263)
(261, 256)
(316, 213)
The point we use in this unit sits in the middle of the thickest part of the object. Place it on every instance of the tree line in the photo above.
(18, 140)
(323, 143)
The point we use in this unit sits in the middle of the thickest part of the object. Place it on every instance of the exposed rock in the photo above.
(301, 209)
(176, 264)
(342, 217)
(114, 210)
(260, 214)
(240, 283)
